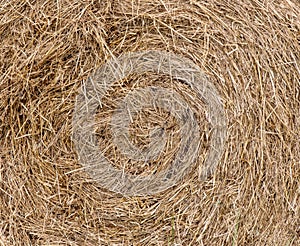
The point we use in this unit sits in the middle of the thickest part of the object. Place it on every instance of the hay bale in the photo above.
(249, 50)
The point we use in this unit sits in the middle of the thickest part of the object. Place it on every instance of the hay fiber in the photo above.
(248, 193)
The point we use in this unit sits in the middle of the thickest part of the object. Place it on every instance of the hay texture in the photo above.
(247, 194)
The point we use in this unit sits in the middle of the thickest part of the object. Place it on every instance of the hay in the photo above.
(249, 51)
(150, 97)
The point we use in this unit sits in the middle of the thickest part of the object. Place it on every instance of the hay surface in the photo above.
(250, 51)
(147, 120)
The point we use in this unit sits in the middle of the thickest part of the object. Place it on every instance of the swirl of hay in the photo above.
(91, 95)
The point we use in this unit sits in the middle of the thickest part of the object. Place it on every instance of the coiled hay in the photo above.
(249, 50)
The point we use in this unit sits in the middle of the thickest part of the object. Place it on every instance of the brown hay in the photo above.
(129, 107)
(248, 49)
(149, 118)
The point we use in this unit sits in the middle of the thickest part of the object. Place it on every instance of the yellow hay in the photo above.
(249, 50)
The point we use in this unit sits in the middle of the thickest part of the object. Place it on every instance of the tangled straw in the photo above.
(89, 100)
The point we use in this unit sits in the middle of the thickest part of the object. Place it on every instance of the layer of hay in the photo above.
(147, 120)
(250, 51)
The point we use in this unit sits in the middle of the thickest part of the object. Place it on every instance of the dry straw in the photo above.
(157, 98)
(248, 50)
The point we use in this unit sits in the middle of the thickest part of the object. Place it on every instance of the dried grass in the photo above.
(248, 49)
